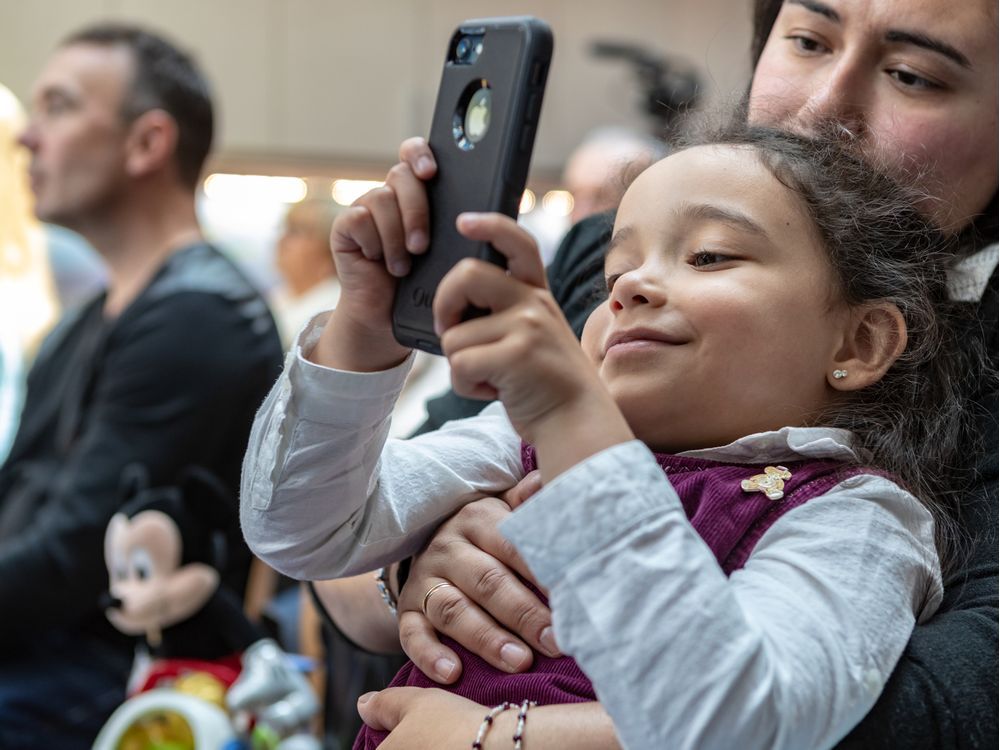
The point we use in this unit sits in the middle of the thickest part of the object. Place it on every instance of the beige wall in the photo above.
(332, 83)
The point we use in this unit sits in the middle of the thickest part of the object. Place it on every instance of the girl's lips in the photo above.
(639, 338)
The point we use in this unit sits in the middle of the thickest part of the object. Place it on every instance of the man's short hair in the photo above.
(164, 78)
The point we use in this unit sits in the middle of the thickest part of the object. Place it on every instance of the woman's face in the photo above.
(915, 81)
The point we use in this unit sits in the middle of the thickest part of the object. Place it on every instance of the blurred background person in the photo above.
(28, 306)
(600, 169)
(308, 282)
(163, 370)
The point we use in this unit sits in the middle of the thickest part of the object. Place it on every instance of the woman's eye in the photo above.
(912, 80)
(706, 258)
(806, 44)
(610, 280)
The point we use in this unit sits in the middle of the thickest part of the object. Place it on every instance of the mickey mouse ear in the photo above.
(134, 480)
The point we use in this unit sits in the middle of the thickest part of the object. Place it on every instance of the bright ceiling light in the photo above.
(345, 192)
(253, 188)
(558, 203)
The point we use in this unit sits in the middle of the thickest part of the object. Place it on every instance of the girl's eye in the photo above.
(704, 258)
(912, 80)
(610, 280)
(807, 45)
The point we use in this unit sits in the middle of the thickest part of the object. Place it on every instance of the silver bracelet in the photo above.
(477, 744)
(382, 581)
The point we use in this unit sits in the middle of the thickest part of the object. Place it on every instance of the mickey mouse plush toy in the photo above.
(164, 551)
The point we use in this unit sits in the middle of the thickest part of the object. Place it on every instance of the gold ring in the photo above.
(431, 590)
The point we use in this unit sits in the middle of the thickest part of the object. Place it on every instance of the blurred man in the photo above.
(309, 277)
(164, 369)
(602, 167)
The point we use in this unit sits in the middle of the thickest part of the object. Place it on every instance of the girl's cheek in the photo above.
(595, 331)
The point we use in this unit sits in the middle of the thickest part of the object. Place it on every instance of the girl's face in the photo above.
(914, 80)
(720, 320)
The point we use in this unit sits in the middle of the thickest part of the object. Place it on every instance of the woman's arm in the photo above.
(358, 611)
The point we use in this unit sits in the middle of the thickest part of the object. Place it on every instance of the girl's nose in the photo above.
(636, 288)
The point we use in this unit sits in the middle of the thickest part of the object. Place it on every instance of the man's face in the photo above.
(76, 133)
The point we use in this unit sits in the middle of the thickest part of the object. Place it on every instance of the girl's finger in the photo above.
(524, 262)
(384, 208)
(411, 196)
(416, 153)
(355, 230)
(476, 283)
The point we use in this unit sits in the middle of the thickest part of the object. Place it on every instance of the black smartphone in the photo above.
(482, 135)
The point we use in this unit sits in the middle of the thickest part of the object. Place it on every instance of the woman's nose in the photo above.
(838, 102)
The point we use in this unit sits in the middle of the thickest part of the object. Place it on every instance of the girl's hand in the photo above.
(524, 352)
(420, 718)
(488, 609)
(372, 242)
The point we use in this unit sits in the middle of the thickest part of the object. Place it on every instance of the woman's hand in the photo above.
(487, 603)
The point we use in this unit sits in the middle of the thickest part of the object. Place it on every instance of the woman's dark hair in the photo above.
(982, 231)
(881, 248)
(163, 78)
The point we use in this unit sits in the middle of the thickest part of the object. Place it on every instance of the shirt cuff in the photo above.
(331, 396)
(588, 507)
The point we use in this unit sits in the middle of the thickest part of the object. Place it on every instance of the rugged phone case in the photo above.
(487, 174)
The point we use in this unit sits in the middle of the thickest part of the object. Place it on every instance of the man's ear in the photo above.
(874, 338)
(152, 143)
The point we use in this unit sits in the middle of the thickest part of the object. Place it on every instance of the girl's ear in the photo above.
(874, 339)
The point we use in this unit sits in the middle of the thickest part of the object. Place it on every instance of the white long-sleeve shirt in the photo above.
(789, 652)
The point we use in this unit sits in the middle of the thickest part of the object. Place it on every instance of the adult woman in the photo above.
(913, 83)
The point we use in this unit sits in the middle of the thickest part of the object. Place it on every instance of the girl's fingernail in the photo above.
(366, 697)
(417, 240)
(399, 267)
(424, 165)
(438, 328)
(444, 668)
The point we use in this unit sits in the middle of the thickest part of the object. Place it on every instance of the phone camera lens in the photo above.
(463, 49)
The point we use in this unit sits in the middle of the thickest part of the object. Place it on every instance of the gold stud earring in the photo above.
(839, 374)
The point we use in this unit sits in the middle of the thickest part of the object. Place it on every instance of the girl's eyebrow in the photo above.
(619, 237)
(732, 217)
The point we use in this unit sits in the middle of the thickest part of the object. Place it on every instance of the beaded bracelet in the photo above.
(382, 581)
(477, 744)
(522, 716)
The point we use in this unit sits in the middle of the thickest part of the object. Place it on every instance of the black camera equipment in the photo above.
(669, 88)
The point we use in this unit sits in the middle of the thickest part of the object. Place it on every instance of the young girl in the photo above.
(760, 396)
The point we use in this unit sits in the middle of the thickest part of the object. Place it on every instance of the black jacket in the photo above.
(174, 381)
